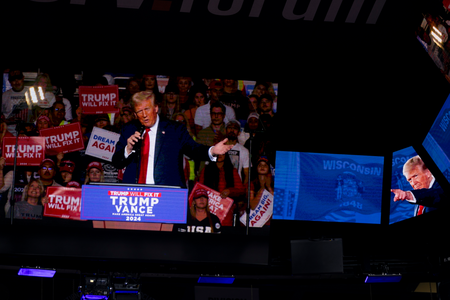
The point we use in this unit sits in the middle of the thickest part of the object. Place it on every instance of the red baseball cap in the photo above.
(73, 184)
(46, 160)
(95, 164)
(67, 166)
(200, 193)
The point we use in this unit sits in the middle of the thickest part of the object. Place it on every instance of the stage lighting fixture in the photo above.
(97, 287)
(37, 272)
(216, 279)
(378, 278)
(94, 297)
(126, 288)
(33, 96)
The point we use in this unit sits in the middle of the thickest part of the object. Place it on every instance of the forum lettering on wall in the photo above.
(99, 99)
(368, 11)
(64, 138)
(30, 150)
(102, 143)
(137, 203)
(63, 203)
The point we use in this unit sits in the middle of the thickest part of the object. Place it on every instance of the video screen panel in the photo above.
(400, 210)
(437, 141)
(414, 188)
(68, 134)
(328, 187)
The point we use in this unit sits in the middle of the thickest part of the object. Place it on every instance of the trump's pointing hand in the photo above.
(220, 148)
(401, 195)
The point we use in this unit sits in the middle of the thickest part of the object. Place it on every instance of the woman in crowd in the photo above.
(198, 98)
(43, 122)
(150, 84)
(184, 84)
(263, 181)
(31, 205)
(171, 103)
(94, 173)
(221, 176)
(24, 175)
(200, 219)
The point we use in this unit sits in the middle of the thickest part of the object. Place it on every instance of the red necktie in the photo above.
(144, 157)
(420, 210)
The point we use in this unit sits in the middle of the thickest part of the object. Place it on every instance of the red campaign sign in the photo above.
(63, 203)
(217, 205)
(99, 99)
(30, 150)
(65, 138)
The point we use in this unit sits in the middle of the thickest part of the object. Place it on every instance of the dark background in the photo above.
(350, 88)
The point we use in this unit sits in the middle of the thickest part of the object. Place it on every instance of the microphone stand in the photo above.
(252, 136)
(247, 223)
(12, 201)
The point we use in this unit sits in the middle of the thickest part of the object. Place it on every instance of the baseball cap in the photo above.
(73, 184)
(67, 166)
(234, 122)
(253, 115)
(216, 84)
(200, 193)
(47, 160)
(95, 164)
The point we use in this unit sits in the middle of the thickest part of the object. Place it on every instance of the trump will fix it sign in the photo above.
(30, 150)
(99, 99)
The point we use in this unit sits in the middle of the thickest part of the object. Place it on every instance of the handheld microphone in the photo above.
(138, 144)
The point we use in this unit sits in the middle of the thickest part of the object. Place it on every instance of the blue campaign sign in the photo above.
(328, 187)
(137, 203)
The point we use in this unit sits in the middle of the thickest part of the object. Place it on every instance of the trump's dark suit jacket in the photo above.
(430, 198)
(172, 141)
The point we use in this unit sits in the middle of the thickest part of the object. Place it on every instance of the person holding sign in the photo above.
(160, 158)
(262, 182)
(200, 220)
(223, 177)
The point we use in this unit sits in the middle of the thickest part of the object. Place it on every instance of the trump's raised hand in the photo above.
(221, 148)
(401, 195)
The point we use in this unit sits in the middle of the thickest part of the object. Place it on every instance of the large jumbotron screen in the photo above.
(328, 187)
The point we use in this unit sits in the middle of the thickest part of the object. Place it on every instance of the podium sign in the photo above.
(136, 203)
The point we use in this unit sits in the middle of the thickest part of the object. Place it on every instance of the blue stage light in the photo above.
(377, 278)
(216, 279)
(37, 272)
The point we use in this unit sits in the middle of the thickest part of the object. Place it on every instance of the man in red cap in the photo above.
(47, 173)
